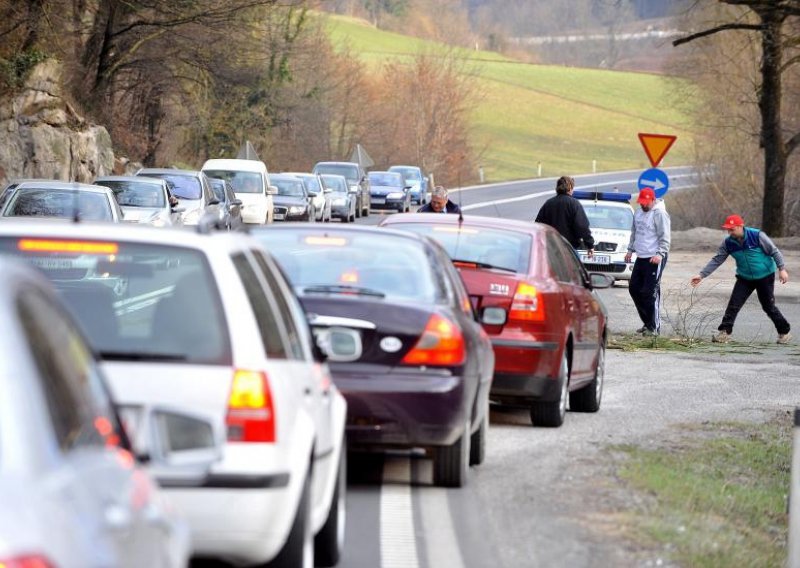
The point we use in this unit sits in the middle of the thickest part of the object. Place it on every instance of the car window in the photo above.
(296, 339)
(219, 189)
(50, 202)
(182, 186)
(557, 260)
(350, 173)
(150, 301)
(289, 187)
(335, 184)
(242, 182)
(80, 410)
(135, 194)
(312, 183)
(606, 217)
(272, 335)
(376, 178)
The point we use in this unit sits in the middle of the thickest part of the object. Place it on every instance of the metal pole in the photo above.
(594, 166)
(480, 172)
(793, 560)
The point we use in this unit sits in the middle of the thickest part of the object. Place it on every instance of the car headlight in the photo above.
(297, 209)
(395, 195)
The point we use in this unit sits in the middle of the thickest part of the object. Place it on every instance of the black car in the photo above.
(230, 211)
(422, 374)
(292, 202)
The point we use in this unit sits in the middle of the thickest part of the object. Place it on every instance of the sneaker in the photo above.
(649, 333)
(784, 338)
(641, 329)
(721, 337)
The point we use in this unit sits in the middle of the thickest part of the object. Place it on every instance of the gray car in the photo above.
(343, 202)
(144, 200)
(192, 189)
(357, 181)
(62, 199)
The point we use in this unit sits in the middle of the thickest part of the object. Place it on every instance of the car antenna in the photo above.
(75, 207)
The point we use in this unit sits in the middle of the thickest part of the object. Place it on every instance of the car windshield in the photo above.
(136, 194)
(353, 264)
(409, 174)
(335, 183)
(497, 248)
(218, 186)
(181, 186)
(134, 301)
(349, 172)
(241, 182)
(47, 202)
(387, 179)
(604, 217)
(312, 183)
(290, 187)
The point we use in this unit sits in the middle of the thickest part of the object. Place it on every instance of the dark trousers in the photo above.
(765, 290)
(645, 290)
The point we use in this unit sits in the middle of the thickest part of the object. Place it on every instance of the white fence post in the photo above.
(793, 560)
(480, 172)
(594, 166)
(539, 170)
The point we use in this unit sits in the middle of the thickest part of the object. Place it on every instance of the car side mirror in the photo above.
(178, 209)
(236, 202)
(599, 280)
(312, 193)
(213, 201)
(272, 190)
(327, 190)
(493, 316)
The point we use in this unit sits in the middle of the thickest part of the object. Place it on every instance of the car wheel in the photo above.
(329, 542)
(588, 398)
(358, 208)
(477, 446)
(366, 211)
(298, 550)
(451, 463)
(551, 413)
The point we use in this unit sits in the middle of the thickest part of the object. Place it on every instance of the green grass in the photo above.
(719, 496)
(562, 117)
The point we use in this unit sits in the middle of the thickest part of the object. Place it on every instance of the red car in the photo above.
(537, 303)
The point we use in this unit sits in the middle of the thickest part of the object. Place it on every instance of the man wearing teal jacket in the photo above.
(756, 258)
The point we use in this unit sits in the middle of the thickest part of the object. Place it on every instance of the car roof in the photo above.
(402, 166)
(604, 203)
(468, 220)
(64, 186)
(337, 164)
(235, 164)
(349, 229)
(137, 179)
(172, 171)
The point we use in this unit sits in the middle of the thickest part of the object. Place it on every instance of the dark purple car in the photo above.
(422, 374)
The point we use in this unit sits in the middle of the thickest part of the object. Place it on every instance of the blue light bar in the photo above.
(602, 195)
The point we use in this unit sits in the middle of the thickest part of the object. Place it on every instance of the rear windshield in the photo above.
(136, 194)
(32, 202)
(290, 187)
(349, 172)
(509, 250)
(182, 187)
(604, 217)
(348, 263)
(135, 301)
(335, 184)
(312, 183)
(393, 180)
(241, 182)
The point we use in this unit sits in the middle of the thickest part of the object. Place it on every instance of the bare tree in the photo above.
(770, 19)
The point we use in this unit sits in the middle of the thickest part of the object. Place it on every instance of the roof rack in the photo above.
(602, 195)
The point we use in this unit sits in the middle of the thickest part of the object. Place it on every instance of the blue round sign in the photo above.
(655, 179)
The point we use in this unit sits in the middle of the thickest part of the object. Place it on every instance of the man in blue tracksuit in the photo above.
(756, 258)
(650, 239)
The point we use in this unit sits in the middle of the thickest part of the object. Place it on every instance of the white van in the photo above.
(250, 182)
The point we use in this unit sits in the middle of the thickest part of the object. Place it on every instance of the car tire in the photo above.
(298, 550)
(451, 463)
(329, 542)
(365, 213)
(588, 398)
(551, 413)
(477, 445)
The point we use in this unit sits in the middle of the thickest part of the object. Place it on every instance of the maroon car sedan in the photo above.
(536, 302)
(423, 365)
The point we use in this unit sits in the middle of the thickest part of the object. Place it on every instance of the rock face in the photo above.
(41, 135)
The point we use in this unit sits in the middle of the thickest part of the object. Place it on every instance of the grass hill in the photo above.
(562, 117)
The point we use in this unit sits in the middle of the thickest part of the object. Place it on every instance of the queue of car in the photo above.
(243, 366)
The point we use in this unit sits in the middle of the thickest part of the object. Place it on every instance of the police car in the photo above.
(610, 219)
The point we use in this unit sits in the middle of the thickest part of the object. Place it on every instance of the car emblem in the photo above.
(391, 344)
(498, 289)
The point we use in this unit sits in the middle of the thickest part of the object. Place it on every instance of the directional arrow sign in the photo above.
(656, 146)
(655, 179)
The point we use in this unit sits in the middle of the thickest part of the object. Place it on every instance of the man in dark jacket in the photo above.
(566, 215)
(439, 203)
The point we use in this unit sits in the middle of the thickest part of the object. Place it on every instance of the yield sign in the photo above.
(656, 146)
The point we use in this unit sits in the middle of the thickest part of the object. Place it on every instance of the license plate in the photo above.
(52, 263)
(279, 216)
(596, 259)
(378, 201)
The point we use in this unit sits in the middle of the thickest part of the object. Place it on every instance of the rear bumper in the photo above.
(404, 409)
(526, 368)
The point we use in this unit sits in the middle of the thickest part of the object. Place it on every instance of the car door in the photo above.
(210, 202)
(234, 206)
(107, 493)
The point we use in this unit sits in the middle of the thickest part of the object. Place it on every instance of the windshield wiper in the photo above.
(141, 356)
(483, 265)
(342, 289)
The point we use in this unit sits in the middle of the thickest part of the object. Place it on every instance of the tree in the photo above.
(771, 17)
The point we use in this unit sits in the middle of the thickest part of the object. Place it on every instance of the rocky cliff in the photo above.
(42, 136)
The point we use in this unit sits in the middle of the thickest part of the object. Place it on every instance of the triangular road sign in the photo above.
(656, 146)
(247, 152)
(360, 156)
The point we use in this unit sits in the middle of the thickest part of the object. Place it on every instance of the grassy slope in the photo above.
(560, 116)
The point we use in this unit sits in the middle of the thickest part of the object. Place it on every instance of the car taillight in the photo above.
(527, 304)
(28, 561)
(251, 414)
(441, 343)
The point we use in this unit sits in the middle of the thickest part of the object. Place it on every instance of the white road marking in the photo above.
(397, 539)
(440, 533)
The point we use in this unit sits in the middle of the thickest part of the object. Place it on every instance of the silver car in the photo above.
(71, 491)
(320, 195)
(192, 189)
(144, 200)
(61, 199)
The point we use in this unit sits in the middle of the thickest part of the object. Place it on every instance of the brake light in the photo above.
(441, 344)
(28, 561)
(85, 247)
(527, 304)
(251, 414)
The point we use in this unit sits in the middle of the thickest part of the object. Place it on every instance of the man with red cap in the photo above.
(650, 239)
(756, 259)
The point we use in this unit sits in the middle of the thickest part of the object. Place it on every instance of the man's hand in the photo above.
(590, 253)
(628, 257)
(655, 259)
(696, 280)
(783, 276)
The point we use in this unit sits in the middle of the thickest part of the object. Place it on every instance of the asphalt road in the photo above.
(549, 497)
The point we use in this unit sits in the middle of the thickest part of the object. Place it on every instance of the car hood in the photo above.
(137, 214)
(287, 200)
(384, 189)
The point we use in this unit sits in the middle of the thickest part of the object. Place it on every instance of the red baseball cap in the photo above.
(732, 221)
(646, 195)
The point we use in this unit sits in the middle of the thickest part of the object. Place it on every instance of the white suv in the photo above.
(250, 182)
(610, 219)
(209, 326)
